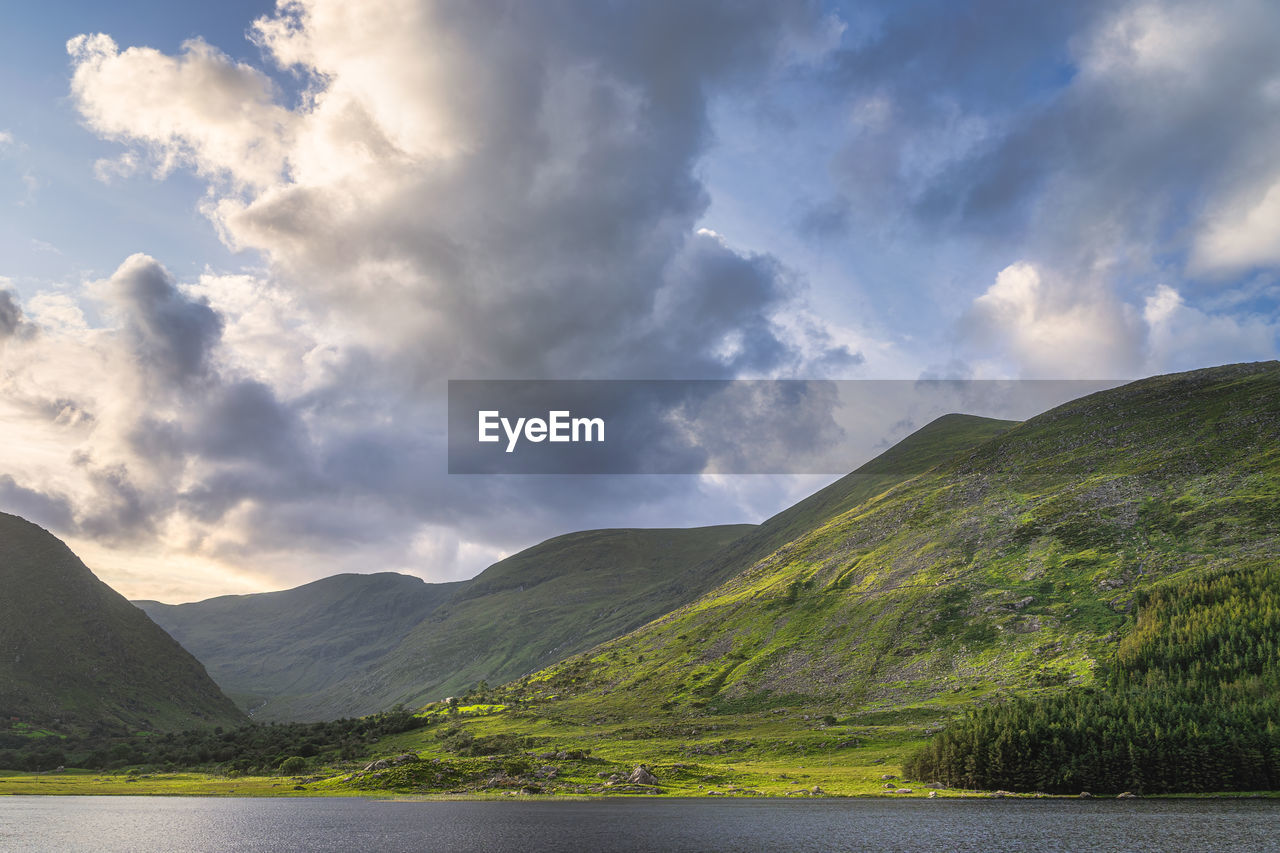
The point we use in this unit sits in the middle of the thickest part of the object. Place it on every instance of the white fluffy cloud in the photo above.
(477, 191)
(1051, 328)
(1180, 337)
(198, 109)
(1243, 234)
(1037, 323)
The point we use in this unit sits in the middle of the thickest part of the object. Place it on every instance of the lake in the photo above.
(145, 824)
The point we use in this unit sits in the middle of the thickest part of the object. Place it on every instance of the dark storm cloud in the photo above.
(120, 511)
(53, 511)
(169, 332)
(10, 314)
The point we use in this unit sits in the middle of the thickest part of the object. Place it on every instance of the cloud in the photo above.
(43, 509)
(10, 315)
(1045, 326)
(1242, 235)
(452, 192)
(169, 332)
(519, 199)
(1181, 337)
(1053, 328)
(1136, 134)
(198, 109)
(487, 190)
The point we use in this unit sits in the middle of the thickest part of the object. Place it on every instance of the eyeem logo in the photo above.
(559, 426)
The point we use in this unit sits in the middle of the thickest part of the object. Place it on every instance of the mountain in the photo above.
(356, 644)
(301, 641)
(74, 654)
(936, 442)
(536, 607)
(573, 592)
(1011, 566)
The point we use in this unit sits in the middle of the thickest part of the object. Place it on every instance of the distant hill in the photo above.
(301, 641)
(74, 654)
(355, 644)
(1014, 565)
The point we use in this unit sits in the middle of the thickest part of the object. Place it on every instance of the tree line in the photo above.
(253, 749)
(1191, 703)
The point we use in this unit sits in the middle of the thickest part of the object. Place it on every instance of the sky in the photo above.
(244, 246)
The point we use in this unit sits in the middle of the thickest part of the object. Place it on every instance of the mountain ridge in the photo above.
(257, 647)
(74, 653)
(1010, 566)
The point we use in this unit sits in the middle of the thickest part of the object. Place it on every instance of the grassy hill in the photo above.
(1012, 566)
(279, 645)
(74, 654)
(357, 644)
(923, 449)
(1009, 577)
(532, 609)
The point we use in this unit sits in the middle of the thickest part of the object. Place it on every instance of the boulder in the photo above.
(642, 776)
(887, 776)
(1127, 795)
(903, 791)
(380, 764)
(1085, 795)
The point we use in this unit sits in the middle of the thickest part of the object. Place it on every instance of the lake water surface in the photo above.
(227, 824)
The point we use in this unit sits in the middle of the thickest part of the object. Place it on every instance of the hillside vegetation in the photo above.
(75, 655)
(1192, 704)
(532, 609)
(1013, 566)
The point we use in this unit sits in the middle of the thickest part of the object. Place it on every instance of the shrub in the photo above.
(293, 765)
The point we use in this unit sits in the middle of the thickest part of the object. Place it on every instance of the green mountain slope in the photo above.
(1192, 704)
(536, 607)
(576, 591)
(1012, 566)
(926, 447)
(299, 641)
(74, 654)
